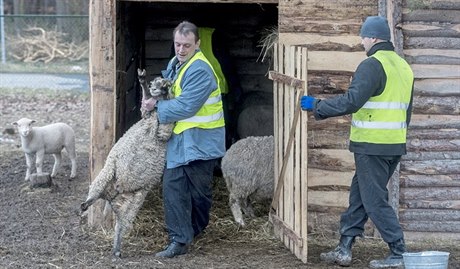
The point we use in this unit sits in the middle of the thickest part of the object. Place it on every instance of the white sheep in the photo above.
(134, 165)
(49, 139)
(248, 170)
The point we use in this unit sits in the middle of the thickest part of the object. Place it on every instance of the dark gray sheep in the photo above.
(248, 170)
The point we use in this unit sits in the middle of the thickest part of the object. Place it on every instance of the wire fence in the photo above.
(44, 51)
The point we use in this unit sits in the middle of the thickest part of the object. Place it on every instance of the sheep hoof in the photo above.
(116, 255)
(83, 207)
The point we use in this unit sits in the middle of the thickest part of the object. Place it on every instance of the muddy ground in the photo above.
(39, 228)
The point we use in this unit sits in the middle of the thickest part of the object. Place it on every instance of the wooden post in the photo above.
(102, 82)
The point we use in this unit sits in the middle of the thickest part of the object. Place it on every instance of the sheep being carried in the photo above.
(134, 165)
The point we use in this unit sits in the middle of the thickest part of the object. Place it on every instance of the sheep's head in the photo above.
(160, 88)
(24, 126)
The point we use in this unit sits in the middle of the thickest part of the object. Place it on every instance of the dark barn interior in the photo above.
(144, 39)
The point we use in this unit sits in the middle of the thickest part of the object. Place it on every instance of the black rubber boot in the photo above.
(341, 255)
(395, 259)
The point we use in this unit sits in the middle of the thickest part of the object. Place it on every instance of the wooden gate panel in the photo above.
(289, 206)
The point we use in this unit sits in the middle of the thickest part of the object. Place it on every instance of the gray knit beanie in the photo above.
(376, 27)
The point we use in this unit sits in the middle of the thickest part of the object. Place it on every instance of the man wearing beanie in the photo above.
(380, 100)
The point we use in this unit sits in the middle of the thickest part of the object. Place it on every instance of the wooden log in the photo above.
(320, 82)
(303, 24)
(42, 180)
(432, 29)
(433, 236)
(433, 194)
(431, 155)
(452, 180)
(318, 10)
(420, 203)
(334, 60)
(436, 105)
(328, 198)
(334, 123)
(432, 59)
(433, 145)
(447, 134)
(320, 179)
(432, 43)
(331, 159)
(328, 139)
(316, 41)
(432, 226)
(432, 56)
(432, 4)
(437, 87)
(431, 167)
(406, 215)
(422, 71)
(432, 15)
(419, 121)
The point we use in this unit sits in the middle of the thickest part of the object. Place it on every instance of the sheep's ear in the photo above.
(33, 121)
(15, 123)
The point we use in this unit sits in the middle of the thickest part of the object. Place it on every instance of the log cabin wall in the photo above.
(430, 172)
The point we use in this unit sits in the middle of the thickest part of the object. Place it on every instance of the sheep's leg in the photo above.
(57, 163)
(236, 209)
(73, 159)
(99, 184)
(39, 156)
(29, 165)
(125, 207)
(247, 208)
(141, 74)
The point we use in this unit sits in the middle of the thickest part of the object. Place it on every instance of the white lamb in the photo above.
(248, 170)
(49, 139)
(134, 165)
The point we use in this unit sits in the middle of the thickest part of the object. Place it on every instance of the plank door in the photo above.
(289, 206)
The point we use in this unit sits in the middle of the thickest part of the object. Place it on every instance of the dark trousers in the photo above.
(369, 198)
(187, 197)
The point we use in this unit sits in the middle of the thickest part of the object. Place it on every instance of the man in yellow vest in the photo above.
(380, 101)
(198, 140)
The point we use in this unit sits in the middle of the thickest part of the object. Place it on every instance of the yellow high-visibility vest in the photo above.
(382, 119)
(206, 47)
(211, 114)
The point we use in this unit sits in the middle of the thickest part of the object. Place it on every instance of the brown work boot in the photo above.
(395, 259)
(341, 255)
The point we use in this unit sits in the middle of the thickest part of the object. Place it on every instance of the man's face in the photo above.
(367, 42)
(185, 46)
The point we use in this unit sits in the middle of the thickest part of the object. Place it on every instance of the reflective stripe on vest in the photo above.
(211, 114)
(206, 48)
(382, 120)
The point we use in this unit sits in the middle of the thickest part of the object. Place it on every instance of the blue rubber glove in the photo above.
(307, 102)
